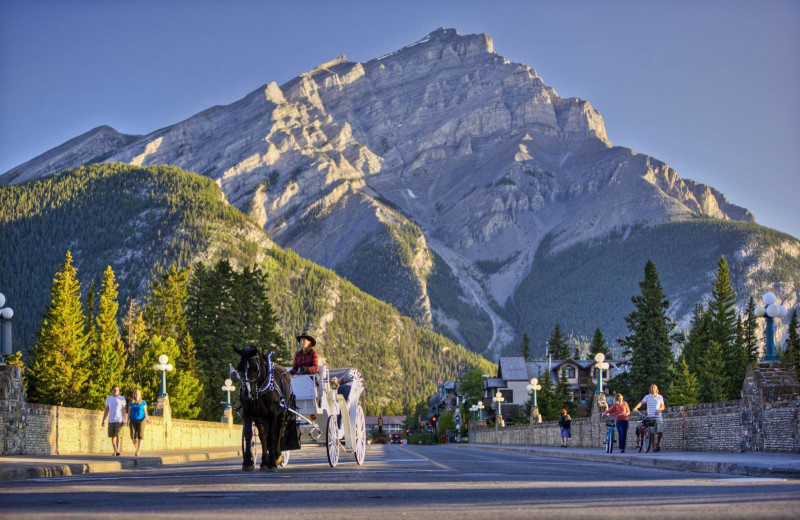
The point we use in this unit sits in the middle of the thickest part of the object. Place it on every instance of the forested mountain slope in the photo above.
(139, 220)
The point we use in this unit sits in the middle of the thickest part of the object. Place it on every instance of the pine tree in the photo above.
(546, 398)
(685, 389)
(697, 339)
(712, 382)
(722, 309)
(564, 395)
(599, 345)
(58, 370)
(91, 313)
(107, 353)
(525, 347)
(134, 335)
(792, 349)
(750, 336)
(648, 343)
(557, 344)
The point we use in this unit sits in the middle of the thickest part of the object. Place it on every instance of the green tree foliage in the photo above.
(712, 382)
(525, 347)
(697, 339)
(557, 345)
(471, 386)
(446, 421)
(750, 337)
(792, 350)
(563, 394)
(225, 309)
(57, 370)
(649, 344)
(134, 337)
(107, 356)
(547, 399)
(723, 330)
(685, 389)
(599, 345)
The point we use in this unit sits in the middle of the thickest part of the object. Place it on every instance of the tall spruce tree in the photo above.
(58, 369)
(712, 382)
(750, 338)
(525, 347)
(563, 393)
(697, 339)
(599, 345)
(722, 309)
(107, 360)
(546, 398)
(648, 345)
(134, 335)
(792, 350)
(557, 344)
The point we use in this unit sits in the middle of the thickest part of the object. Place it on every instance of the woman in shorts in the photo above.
(137, 416)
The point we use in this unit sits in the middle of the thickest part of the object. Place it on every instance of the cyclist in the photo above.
(655, 405)
(620, 411)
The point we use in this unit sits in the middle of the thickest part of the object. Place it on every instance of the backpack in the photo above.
(565, 421)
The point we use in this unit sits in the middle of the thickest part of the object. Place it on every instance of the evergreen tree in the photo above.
(134, 335)
(599, 345)
(750, 338)
(792, 349)
(58, 371)
(697, 339)
(557, 344)
(685, 389)
(722, 310)
(471, 386)
(91, 313)
(549, 405)
(107, 360)
(712, 382)
(736, 358)
(525, 347)
(648, 343)
(563, 394)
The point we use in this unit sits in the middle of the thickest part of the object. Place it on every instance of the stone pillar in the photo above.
(536, 417)
(12, 410)
(227, 416)
(163, 409)
(597, 433)
(770, 402)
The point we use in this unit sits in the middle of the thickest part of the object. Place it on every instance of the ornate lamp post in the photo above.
(770, 310)
(533, 387)
(162, 406)
(498, 398)
(227, 414)
(600, 365)
(5, 328)
(479, 408)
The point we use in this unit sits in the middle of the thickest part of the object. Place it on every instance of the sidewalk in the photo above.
(26, 467)
(750, 464)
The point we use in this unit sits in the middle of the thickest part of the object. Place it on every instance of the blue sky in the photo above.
(710, 87)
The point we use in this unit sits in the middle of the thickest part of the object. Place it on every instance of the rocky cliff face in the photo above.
(444, 144)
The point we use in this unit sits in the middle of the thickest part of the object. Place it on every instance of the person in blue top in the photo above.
(137, 416)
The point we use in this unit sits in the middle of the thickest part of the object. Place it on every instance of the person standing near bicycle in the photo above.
(655, 405)
(620, 411)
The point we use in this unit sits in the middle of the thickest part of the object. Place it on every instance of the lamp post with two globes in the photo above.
(600, 364)
(769, 311)
(498, 398)
(533, 387)
(227, 414)
(162, 405)
(5, 328)
(477, 408)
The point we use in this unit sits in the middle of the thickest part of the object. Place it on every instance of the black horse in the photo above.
(264, 392)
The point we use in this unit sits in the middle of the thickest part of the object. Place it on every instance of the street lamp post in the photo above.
(162, 405)
(227, 414)
(769, 311)
(498, 398)
(601, 364)
(533, 387)
(5, 328)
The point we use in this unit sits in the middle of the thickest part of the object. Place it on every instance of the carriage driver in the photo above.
(306, 359)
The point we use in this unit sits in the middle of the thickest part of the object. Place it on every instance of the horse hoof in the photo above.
(272, 470)
(250, 467)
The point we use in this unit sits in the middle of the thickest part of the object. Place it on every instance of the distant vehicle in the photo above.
(396, 439)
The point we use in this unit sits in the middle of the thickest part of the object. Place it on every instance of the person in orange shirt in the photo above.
(620, 411)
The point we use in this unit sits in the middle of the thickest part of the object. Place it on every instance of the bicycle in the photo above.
(611, 432)
(644, 436)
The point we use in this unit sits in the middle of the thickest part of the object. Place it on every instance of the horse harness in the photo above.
(248, 384)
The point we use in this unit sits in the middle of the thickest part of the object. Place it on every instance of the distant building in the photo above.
(514, 374)
(391, 423)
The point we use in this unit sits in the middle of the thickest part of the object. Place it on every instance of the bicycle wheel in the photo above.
(640, 440)
(610, 442)
(647, 440)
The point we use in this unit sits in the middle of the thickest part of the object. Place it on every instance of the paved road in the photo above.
(404, 482)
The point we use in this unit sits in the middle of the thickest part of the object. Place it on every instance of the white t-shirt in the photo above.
(116, 409)
(653, 404)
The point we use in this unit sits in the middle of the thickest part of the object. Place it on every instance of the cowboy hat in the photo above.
(308, 336)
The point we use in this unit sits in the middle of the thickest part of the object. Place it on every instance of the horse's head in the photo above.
(255, 371)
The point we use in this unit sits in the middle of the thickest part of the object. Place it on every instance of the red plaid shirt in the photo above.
(306, 359)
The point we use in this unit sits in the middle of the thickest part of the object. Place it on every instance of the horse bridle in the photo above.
(248, 384)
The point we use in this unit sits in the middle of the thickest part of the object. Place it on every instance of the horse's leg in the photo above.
(263, 432)
(279, 426)
(247, 454)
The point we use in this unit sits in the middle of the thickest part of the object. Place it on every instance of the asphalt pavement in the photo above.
(751, 464)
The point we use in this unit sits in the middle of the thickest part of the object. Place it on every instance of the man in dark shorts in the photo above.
(115, 413)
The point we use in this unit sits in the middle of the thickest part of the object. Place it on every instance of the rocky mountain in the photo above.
(441, 163)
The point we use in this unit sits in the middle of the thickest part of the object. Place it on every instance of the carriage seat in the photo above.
(307, 389)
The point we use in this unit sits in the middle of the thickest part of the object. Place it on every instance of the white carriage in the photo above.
(319, 402)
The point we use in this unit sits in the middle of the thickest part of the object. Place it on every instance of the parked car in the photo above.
(396, 439)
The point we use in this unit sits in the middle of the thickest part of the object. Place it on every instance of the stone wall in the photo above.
(37, 429)
(765, 419)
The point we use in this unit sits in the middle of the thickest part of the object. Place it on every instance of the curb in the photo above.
(699, 466)
(55, 469)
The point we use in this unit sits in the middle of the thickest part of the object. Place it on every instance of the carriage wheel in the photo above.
(360, 440)
(332, 439)
(285, 461)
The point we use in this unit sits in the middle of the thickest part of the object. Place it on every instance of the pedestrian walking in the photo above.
(115, 413)
(564, 424)
(620, 411)
(137, 417)
(655, 405)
